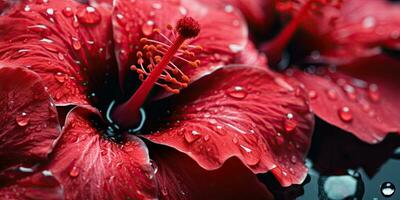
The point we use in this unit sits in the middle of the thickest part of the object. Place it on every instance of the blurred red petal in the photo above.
(36, 187)
(28, 120)
(65, 42)
(259, 14)
(361, 98)
(179, 177)
(246, 112)
(223, 34)
(356, 30)
(91, 167)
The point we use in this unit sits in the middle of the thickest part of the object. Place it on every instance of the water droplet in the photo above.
(147, 28)
(157, 6)
(235, 48)
(237, 92)
(368, 22)
(88, 15)
(25, 169)
(67, 11)
(345, 114)
(50, 11)
(332, 94)
(60, 77)
(228, 8)
(373, 93)
(27, 8)
(76, 44)
(350, 91)
(206, 138)
(340, 187)
(289, 124)
(387, 189)
(183, 10)
(74, 172)
(281, 82)
(312, 94)
(235, 140)
(293, 159)
(60, 56)
(121, 19)
(22, 119)
(192, 136)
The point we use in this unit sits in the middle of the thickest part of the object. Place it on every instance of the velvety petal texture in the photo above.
(89, 166)
(180, 177)
(223, 34)
(39, 186)
(28, 120)
(67, 43)
(355, 29)
(246, 112)
(362, 96)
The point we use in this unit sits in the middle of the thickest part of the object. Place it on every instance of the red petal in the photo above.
(222, 35)
(36, 187)
(250, 56)
(259, 14)
(44, 38)
(246, 112)
(91, 167)
(179, 177)
(28, 120)
(356, 30)
(368, 90)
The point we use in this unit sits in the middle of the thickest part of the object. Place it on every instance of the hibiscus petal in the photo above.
(179, 177)
(362, 96)
(246, 112)
(28, 120)
(356, 30)
(133, 20)
(91, 167)
(65, 42)
(36, 187)
(259, 14)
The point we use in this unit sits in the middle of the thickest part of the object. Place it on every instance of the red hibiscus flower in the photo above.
(346, 50)
(184, 110)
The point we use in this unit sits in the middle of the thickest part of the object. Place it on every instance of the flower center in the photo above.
(161, 54)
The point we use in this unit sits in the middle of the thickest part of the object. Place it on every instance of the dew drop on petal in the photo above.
(368, 22)
(147, 28)
(88, 15)
(67, 11)
(22, 119)
(312, 94)
(293, 159)
(76, 44)
(345, 114)
(387, 189)
(289, 124)
(60, 77)
(191, 136)
(228, 8)
(237, 92)
(373, 93)
(74, 172)
(157, 6)
(332, 95)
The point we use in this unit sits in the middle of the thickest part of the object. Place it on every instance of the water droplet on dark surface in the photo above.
(387, 189)
(340, 187)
